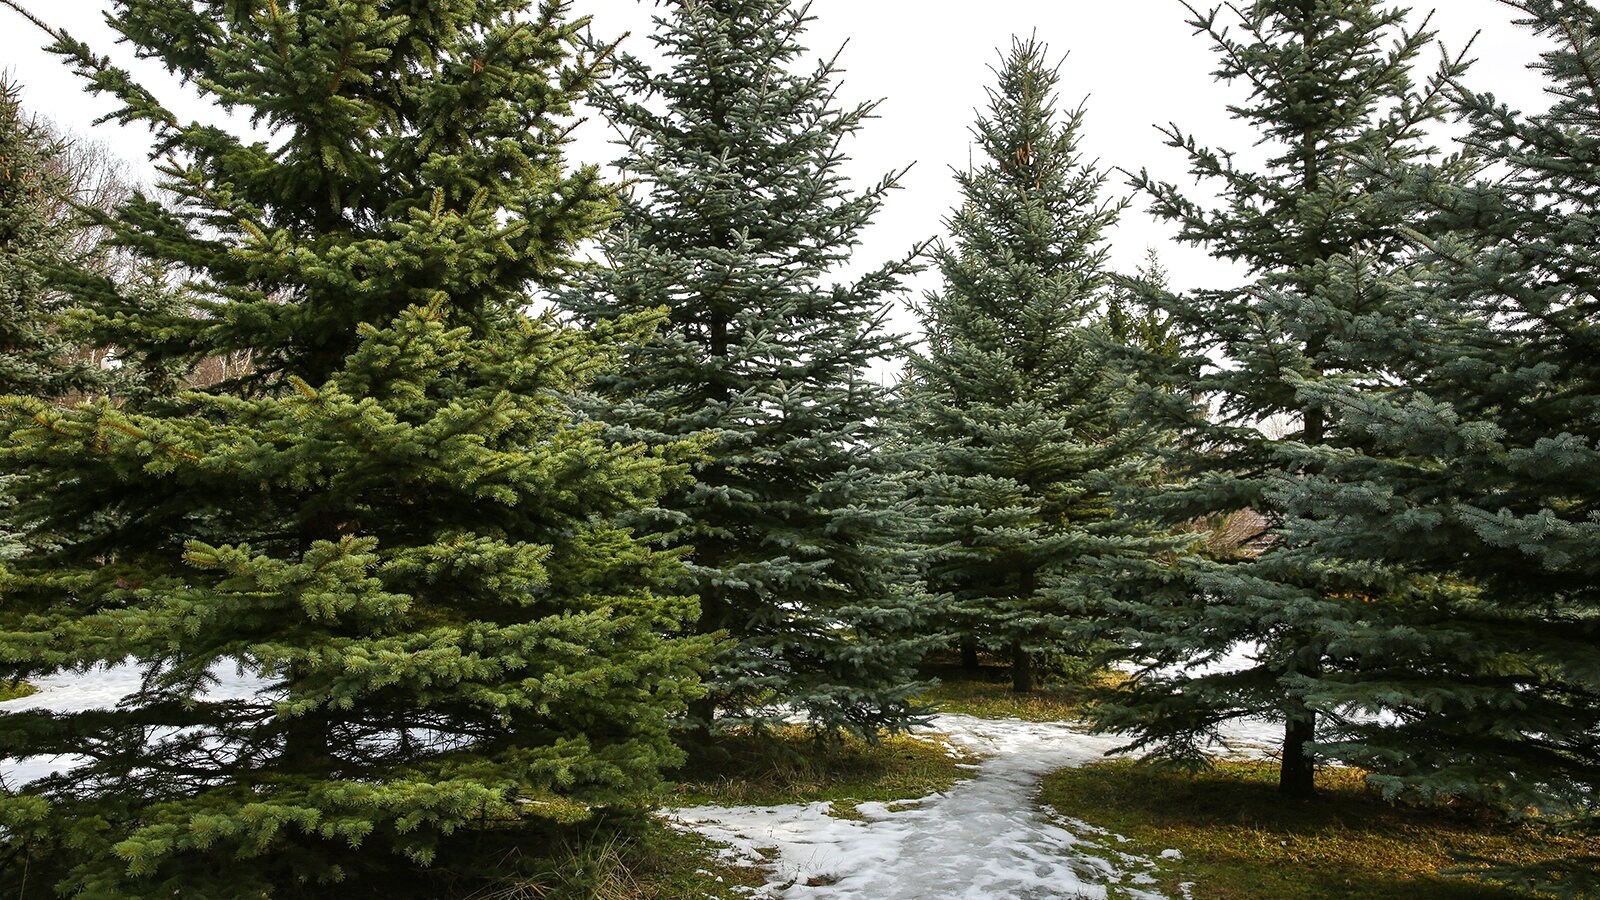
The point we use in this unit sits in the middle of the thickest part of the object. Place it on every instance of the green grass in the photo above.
(1241, 841)
(792, 767)
(987, 694)
(647, 861)
(16, 690)
(667, 864)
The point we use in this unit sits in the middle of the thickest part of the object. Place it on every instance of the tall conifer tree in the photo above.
(1013, 403)
(36, 239)
(1330, 83)
(739, 218)
(1468, 513)
(390, 520)
(35, 353)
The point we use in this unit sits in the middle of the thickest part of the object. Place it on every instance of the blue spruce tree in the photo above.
(1329, 83)
(739, 217)
(1464, 507)
(1014, 407)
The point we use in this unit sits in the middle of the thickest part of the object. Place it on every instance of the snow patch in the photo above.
(987, 838)
(103, 687)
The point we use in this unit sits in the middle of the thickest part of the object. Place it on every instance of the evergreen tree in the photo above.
(1468, 514)
(391, 521)
(36, 357)
(741, 214)
(1329, 84)
(1134, 316)
(34, 352)
(1013, 403)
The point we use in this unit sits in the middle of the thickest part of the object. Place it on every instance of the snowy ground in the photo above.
(987, 838)
(99, 688)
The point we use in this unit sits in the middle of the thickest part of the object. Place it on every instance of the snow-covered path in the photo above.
(987, 838)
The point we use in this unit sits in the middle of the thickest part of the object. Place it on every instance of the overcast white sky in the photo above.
(1135, 62)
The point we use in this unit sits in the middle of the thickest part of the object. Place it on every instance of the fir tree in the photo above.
(740, 215)
(1468, 514)
(391, 520)
(1013, 403)
(1329, 84)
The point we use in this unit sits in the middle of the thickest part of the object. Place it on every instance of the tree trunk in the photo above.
(1021, 669)
(1297, 774)
(1297, 777)
(969, 654)
(703, 712)
(306, 742)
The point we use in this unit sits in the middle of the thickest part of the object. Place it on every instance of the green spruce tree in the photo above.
(1468, 512)
(1013, 404)
(739, 218)
(1329, 83)
(390, 521)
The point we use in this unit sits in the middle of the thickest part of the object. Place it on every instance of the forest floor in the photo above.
(1237, 839)
(986, 836)
(1001, 797)
(1043, 812)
